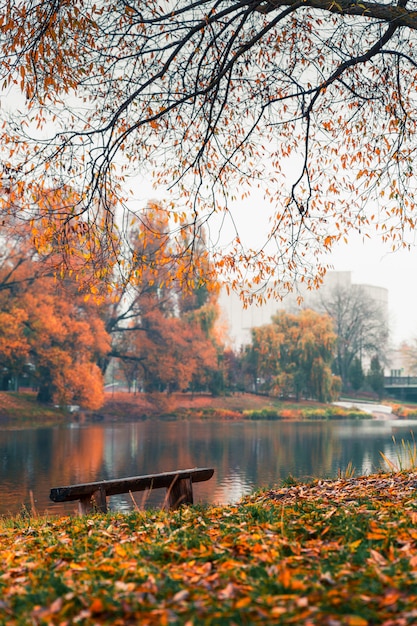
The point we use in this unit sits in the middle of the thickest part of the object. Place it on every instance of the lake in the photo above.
(244, 454)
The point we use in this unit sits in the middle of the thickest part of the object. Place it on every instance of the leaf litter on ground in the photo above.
(330, 552)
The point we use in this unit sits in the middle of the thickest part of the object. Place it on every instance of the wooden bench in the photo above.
(93, 496)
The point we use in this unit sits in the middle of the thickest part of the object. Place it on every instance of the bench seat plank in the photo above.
(178, 483)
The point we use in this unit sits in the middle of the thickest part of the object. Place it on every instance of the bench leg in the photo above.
(97, 501)
(180, 492)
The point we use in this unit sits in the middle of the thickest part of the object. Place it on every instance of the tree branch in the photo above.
(389, 13)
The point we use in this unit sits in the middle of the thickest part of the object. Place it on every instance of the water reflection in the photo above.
(233, 487)
(245, 455)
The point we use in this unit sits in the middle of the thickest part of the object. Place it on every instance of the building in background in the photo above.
(239, 320)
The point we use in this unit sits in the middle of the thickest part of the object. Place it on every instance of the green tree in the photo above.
(293, 356)
(375, 377)
(356, 374)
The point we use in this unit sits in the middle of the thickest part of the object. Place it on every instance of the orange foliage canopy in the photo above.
(168, 339)
(49, 333)
(160, 316)
(172, 352)
(313, 102)
(67, 338)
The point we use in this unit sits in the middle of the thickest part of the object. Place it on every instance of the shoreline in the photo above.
(22, 409)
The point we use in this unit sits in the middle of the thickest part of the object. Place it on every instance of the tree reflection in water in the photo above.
(246, 455)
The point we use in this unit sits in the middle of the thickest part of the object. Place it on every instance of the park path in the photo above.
(378, 411)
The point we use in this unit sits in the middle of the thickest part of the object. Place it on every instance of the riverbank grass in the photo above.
(341, 552)
(23, 408)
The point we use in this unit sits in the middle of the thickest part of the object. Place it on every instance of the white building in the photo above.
(240, 320)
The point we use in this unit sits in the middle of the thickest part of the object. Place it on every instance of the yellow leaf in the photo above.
(119, 550)
(77, 567)
(356, 620)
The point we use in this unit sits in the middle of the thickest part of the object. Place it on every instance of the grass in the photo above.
(406, 455)
(339, 552)
(23, 408)
(405, 411)
(289, 412)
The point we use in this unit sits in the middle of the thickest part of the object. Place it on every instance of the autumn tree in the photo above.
(47, 329)
(164, 329)
(50, 330)
(171, 353)
(18, 271)
(199, 310)
(313, 102)
(359, 323)
(293, 356)
(66, 338)
(236, 371)
(155, 257)
(14, 346)
(17, 254)
(36, 227)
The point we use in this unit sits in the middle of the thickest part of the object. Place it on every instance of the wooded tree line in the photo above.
(312, 103)
(161, 331)
(297, 356)
(166, 335)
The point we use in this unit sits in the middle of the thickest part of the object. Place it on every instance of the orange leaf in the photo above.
(96, 606)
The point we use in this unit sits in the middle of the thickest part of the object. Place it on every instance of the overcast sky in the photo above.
(373, 263)
(370, 263)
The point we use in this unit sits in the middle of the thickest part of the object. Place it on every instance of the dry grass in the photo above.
(125, 404)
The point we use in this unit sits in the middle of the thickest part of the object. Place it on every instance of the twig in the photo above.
(32, 504)
(135, 506)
